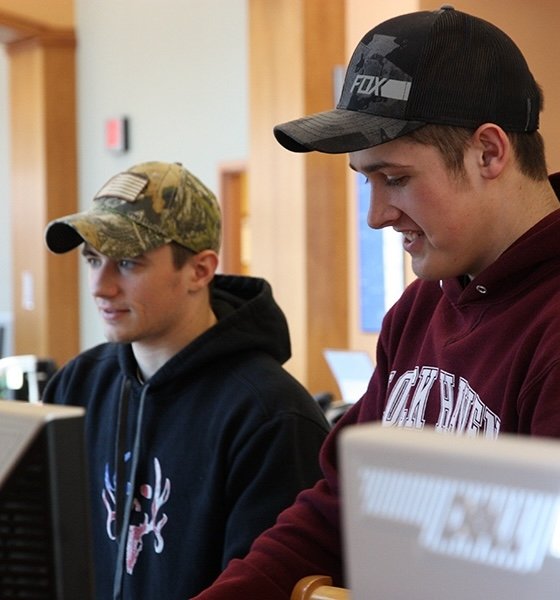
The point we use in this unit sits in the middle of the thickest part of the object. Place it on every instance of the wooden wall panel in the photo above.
(298, 202)
(326, 200)
(43, 184)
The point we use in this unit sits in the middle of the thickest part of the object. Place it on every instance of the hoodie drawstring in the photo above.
(124, 500)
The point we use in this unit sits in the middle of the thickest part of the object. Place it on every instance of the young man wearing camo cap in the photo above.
(197, 436)
(440, 113)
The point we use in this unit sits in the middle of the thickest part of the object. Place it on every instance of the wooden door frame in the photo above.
(43, 176)
(233, 199)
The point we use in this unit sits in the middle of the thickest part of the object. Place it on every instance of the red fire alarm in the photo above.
(116, 134)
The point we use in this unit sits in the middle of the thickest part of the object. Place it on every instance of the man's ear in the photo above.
(493, 149)
(203, 267)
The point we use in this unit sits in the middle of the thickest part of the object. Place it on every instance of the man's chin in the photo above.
(117, 337)
(429, 271)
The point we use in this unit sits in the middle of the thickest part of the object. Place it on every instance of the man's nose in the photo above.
(103, 280)
(381, 212)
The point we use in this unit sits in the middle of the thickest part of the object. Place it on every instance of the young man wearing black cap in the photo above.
(439, 112)
(197, 436)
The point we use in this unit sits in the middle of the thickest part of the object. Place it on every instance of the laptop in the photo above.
(352, 370)
(429, 516)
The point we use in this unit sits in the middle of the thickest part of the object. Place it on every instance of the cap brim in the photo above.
(339, 130)
(109, 233)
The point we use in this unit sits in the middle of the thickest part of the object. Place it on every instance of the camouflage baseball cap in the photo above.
(149, 205)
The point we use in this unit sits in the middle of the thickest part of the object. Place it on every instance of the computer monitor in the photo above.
(45, 536)
(433, 516)
(25, 376)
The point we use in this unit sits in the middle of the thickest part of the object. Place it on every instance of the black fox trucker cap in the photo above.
(442, 67)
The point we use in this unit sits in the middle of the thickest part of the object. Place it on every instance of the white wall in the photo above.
(178, 70)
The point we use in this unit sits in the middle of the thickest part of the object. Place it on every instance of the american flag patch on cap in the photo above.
(125, 186)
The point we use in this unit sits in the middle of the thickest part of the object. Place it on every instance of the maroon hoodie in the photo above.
(481, 358)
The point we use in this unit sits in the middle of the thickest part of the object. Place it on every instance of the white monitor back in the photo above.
(430, 516)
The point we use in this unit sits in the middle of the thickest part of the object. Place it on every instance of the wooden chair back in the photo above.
(318, 587)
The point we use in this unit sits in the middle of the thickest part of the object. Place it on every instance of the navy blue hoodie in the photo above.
(216, 443)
